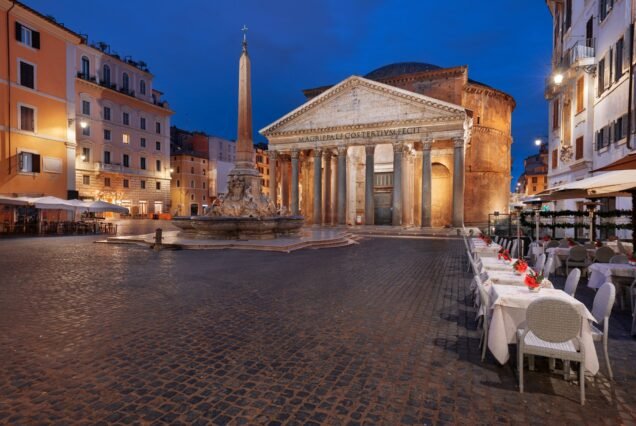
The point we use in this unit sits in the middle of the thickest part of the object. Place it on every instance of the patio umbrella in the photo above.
(52, 203)
(14, 201)
(103, 206)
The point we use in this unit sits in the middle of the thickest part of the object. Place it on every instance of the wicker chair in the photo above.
(553, 327)
(603, 254)
(572, 282)
(619, 258)
(552, 244)
(601, 310)
(577, 257)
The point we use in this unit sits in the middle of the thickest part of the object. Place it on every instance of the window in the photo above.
(29, 162)
(580, 97)
(604, 8)
(106, 113)
(125, 138)
(106, 74)
(27, 118)
(578, 152)
(618, 60)
(158, 145)
(106, 181)
(142, 123)
(86, 130)
(125, 82)
(27, 36)
(620, 128)
(568, 14)
(203, 185)
(27, 75)
(191, 184)
(143, 184)
(106, 157)
(86, 107)
(600, 82)
(142, 87)
(192, 170)
(85, 67)
(534, 179)
(555, 158)
(603, 137)
(158, 185)
(178, 169)
(158, 127)
(178, 183)
(126, 118)
(107, 134)
(142, 142)
(126, 160)
(86, 180)
(142, 163)
(555, 114)
(158, 204)
(158, 164)
(86, 155)
(126, 183)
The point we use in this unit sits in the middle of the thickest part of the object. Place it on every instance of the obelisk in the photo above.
(244, 164)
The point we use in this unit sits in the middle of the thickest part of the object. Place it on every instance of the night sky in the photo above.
(192, 47)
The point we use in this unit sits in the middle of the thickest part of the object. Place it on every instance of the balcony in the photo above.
(582, 54)
(576, 58)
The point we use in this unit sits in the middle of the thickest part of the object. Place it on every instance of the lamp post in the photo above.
(518, 210)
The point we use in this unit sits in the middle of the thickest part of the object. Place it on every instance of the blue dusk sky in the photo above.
(192, 47)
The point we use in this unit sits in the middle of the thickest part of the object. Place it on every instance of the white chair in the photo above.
(577, 258)
(484, 308)
(572, 281)
(513, 249)
(547, 268)
(619, 258)
(553, 327)
(538, 266)
(601, 310)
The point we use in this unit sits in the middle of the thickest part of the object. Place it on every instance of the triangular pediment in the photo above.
(358, 102)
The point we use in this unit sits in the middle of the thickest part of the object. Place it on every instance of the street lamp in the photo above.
(538, 142)
(557, 78)
(591, 206)
(83, 124)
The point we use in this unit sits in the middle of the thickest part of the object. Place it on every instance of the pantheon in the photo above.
(409, 144)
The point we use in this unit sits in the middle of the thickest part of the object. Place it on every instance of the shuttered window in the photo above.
(600, 82)
(27, 75)
(27, 118)
(578, 154)
(555, 114)
(618, 59)
(580, 94)
(27, 36)
(555, 158)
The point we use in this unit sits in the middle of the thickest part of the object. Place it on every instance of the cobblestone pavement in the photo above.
(379, 333)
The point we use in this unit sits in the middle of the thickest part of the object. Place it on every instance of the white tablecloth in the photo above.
(494, 264)
(614, 246)
(602, 272)
(561, 254)
(481, 247)
(508, 307)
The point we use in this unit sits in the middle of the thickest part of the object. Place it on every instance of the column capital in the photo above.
(427, 144)
(458, 142)
(369, 149)
(272, 154)
(295, 153)
(398, 147)
(326, 154)
(317, 152)
(342, 149)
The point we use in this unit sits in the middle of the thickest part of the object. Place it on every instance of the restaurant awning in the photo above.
(14, 201)
(617, 183)
(628, 162)
(52, 203)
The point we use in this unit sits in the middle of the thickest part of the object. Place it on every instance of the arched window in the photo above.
(106, 74)
(142, 87)
(125, 82)
(85, 67)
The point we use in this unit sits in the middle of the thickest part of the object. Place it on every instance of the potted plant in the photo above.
(520, 266)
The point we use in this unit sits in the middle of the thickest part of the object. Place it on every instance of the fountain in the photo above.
(245, 213)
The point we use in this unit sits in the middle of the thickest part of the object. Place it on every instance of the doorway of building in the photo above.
(383, 198)
(194, 209)
(441, 196)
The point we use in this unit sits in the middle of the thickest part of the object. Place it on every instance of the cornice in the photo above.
(355, 81)
(31, 16)
(489, 130)
(488, 91)
(430, 75)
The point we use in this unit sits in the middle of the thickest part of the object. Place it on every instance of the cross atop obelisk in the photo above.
(244, 29)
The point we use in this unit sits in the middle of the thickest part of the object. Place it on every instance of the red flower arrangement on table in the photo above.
(533, 280)
(504, 254)
(520, 266)
(632, 260)
(571, 242)
(598, 243)
(486, 239)
(546, 238)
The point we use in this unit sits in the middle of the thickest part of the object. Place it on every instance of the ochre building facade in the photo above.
(409, 144)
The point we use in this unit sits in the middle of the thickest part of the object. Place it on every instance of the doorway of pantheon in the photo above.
(441, 195)
(383, 198)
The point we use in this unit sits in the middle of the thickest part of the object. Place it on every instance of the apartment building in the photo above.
(37, 103)
(590, 90)
(189, 190)
(123, 132)
(262, 164)
(534, 178)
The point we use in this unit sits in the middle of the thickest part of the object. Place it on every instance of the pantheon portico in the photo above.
(364, 152)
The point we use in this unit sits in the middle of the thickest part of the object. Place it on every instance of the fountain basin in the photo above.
(238, 228)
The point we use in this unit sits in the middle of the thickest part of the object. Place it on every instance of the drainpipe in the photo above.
(9, 83)
(630, 97)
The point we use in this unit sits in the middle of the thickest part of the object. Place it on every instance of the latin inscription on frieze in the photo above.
(367, 134)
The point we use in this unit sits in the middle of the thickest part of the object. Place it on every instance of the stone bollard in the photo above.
(158, 239)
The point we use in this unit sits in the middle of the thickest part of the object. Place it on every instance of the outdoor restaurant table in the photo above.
(601, 272)
(494, 264)
(509, 306)
(482, 248)
(562, 253)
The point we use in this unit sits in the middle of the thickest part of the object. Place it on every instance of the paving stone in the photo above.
(378, 333)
